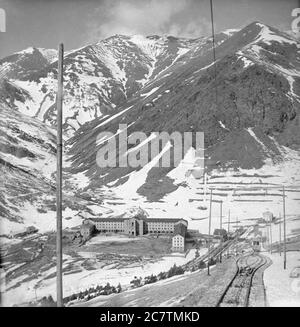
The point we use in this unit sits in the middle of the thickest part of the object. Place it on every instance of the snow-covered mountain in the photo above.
(98, 78)
(27, 179)
(168, 84)
(255, 124)
(257, 86)
(249, 113)
(21, 64)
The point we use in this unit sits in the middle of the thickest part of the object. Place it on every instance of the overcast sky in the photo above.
(45, 23)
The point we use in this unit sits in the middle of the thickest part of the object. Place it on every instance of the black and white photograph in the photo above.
(149, 155)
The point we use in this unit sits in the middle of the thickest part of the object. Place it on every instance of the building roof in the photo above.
(106, 219)
(220, 232)
(256, 238)
(87, 226)
(150, 220)
(180, 229)
(168, 220)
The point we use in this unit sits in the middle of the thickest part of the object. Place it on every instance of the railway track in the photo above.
(238, 291)
(204, 258)
(214, 253)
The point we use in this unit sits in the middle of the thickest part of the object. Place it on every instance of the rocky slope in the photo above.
(98, 78)
(27, 179)
(257, 86)
(23, 63)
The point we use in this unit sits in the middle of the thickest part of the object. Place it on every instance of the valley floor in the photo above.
(33, 272)
(30, 265)
(200, 290)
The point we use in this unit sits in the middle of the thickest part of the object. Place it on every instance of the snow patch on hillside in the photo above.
(246, 61)
(231, 31)
(250, 131)
(80, 281)
(281, 289)
(146, 95)
(247, 193)
(148, 46)
(222, 125)
(140, 145)
(181, 172)
(50, 54)
(267, 36)
(80, 180)
(138, 178)
(43, 221)
(28, 50)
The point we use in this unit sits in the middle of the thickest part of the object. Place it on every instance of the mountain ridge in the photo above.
(101, 76)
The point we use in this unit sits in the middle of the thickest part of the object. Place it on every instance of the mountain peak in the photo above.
(28, 50)
(231, 31)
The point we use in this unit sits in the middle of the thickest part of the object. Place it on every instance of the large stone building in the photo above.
(106, 225)
(136, 226)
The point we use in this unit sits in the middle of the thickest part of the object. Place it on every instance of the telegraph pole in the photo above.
(221, 209)
(228, 229)
(236, 223)
(209, 227)
(221, 223)
(279, 234)
(284, 229)
(228, 221)
(205, 185)
(268, 234)
(215, 77)
(271, 236)
(59, 105)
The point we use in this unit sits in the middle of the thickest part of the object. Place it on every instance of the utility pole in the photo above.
(268, 235)
(209, 227)
(284, 229)
(228, 229)
(59, 105)
(221, 224)
(221, 209)
(271, 241)
(205, 185)
(236, 223)
(279, 234)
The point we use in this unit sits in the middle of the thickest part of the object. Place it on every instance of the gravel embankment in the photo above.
(211, 287)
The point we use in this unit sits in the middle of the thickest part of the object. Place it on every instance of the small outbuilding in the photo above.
(256, 243)
(221, 233)
(178, 240)
(268, 216)
(31, 230)
(87, 230)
